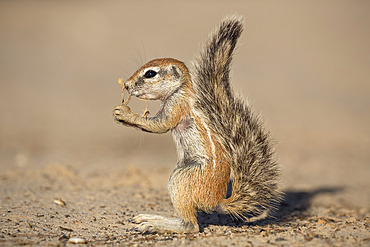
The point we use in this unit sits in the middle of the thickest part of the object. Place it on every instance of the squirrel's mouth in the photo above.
(138, 94)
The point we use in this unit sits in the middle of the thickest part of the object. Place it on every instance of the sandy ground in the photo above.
(303, 65)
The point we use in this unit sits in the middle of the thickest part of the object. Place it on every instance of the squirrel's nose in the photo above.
(128, 85)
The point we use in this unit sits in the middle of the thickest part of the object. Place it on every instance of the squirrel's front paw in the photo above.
(122, 113)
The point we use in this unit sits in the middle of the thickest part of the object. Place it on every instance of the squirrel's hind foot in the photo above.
(159, 224)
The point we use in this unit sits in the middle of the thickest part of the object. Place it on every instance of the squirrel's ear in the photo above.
(175, 71)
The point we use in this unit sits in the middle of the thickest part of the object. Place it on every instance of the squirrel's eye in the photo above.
(150, 74)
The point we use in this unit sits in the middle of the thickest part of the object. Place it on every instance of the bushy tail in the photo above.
(247, 145)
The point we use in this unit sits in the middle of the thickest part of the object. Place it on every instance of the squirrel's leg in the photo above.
(180, 189)
(191, 188)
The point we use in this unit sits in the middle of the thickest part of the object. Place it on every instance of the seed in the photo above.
(59, 202)
(77, 241)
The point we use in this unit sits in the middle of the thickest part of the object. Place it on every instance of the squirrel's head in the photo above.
(158, 79)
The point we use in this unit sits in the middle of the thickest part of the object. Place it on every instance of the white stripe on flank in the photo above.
(210, 140)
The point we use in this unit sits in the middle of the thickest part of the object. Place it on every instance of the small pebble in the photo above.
(77, 241)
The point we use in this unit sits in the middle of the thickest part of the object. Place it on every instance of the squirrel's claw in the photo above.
(146, 113)
(120, 113)
(148, 223)
(121, 110)
(146, 227)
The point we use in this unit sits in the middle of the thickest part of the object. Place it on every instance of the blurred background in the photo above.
(303, 64)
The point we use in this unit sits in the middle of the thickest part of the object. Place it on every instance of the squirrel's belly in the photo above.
(190, 147)
(208, 172)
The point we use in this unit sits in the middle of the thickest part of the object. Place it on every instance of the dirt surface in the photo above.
(67, 170)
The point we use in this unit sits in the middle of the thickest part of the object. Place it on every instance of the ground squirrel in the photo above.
(219, 141)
